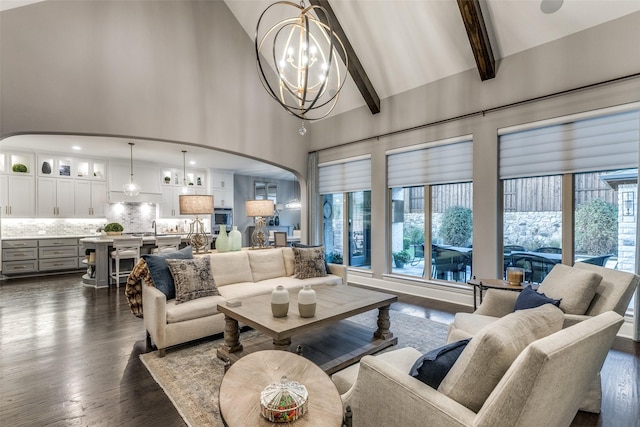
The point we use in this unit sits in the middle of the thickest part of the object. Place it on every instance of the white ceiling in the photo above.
(402, 44)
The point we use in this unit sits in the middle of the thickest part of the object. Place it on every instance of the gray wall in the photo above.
(174, 70)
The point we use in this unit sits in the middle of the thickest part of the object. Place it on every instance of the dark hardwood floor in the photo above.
(69, 357)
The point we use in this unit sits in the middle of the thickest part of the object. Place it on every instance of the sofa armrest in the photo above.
(497, 303)
(339, 270)
(154, 304)
(386, 396)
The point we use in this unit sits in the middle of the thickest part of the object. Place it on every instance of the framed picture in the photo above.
(279, 239)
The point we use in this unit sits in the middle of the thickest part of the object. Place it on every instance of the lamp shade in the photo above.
(195, 204)
(259, 207)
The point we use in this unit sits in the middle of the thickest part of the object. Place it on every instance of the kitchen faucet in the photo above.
(155, 227)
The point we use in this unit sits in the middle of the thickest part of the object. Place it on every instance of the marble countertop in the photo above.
(109, 239)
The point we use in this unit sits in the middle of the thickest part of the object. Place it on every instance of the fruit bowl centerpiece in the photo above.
(284, 402)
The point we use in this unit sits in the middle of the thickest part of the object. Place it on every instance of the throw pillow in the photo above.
(575, 286)
(159, 270)
(300, 245)
(193, 278)
(309, 262)
(529, 298)
(432, 367)
(492, 351)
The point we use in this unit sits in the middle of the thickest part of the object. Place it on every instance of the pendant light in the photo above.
(185, 188)
(294, 204)
(131, 189)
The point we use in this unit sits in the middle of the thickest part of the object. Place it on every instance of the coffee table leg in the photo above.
(384, 323)
(282, 344)
(231, 335)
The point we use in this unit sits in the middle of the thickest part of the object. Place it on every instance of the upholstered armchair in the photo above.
(585, 290)
(544, 385)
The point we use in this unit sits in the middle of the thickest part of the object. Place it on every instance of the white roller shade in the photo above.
(345, 176)
(601, 143)
(439, 164)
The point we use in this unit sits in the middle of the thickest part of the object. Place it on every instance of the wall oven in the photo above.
(221, 217)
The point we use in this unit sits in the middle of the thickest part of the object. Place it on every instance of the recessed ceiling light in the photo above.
(76, 147)
(550, 6)
(192, 162)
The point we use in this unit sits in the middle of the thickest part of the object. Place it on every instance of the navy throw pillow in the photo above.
(432, 367)
(529, 298)
(300, 245)
(159, 270)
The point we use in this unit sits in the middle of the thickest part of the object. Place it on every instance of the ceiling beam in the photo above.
(478, 37)
(355, 66)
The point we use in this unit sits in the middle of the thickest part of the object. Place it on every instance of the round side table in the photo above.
(244, 381)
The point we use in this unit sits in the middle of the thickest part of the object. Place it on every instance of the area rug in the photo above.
(190, 375)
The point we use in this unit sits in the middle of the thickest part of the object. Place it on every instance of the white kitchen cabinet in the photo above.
(17, 196)
(170, 206)
(222, 198)
(56, 198)
(222, 180)
(90, 198)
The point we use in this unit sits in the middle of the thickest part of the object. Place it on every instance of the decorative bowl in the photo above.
(284, 402)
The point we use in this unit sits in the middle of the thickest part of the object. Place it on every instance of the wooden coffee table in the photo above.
(318, 337)
(239, 396)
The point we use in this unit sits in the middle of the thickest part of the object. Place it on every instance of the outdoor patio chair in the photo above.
(449, 260)
(597, 260)
(418, 254)
(549, 250)
(535, 267)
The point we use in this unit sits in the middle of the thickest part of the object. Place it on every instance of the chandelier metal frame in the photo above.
(301, 91)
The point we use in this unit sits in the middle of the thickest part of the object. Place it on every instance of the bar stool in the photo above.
(167, 244)
(125, 248)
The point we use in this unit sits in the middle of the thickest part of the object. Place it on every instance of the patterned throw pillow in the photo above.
(193, 278)
(309, 262)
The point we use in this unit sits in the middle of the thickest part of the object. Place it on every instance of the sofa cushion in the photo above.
(194, 309)
(309, 262)
(493, 349)
(433, 366)
(266, 264)
(576, 287)
(245, 290)
(529, 298)
(159, 269)
(231, 267)
(193, 278)
(300, 245)
(289, 261)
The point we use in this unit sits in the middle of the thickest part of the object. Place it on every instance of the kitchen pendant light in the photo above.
(131, 189)
(294, 204)
(185, 188)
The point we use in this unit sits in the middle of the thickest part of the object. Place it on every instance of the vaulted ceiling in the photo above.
(404, 44)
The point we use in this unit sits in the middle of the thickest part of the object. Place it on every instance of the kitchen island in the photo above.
(103, 245)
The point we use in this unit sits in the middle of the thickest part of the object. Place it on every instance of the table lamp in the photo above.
(259, 209)
(197, 204)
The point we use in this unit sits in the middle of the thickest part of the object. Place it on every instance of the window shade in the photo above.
(602, 143)
(345, 177)
(440, 164)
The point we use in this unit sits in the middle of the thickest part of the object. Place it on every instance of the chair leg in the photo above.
(117, 272)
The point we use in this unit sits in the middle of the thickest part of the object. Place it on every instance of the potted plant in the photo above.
(167, 179)
(401, 258)
(19, 167)
(113, 229)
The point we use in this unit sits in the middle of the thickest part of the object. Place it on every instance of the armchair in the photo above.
(613, 293)
(543, 386)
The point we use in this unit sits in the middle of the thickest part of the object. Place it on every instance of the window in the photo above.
(407, 231)
(345, 186)
(532, 225)
(430, 188)
(359, 229)
(596, 153)
(451, 231)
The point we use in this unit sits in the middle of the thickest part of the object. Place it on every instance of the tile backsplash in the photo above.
(133, 217)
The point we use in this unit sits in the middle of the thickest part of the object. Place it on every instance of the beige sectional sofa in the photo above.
(237, 275)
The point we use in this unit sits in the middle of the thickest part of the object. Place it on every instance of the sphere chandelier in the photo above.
(303, 49)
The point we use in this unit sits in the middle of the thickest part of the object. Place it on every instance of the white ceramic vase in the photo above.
(307, 302)
(280, 301)
(235, 239)
(222, 241)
